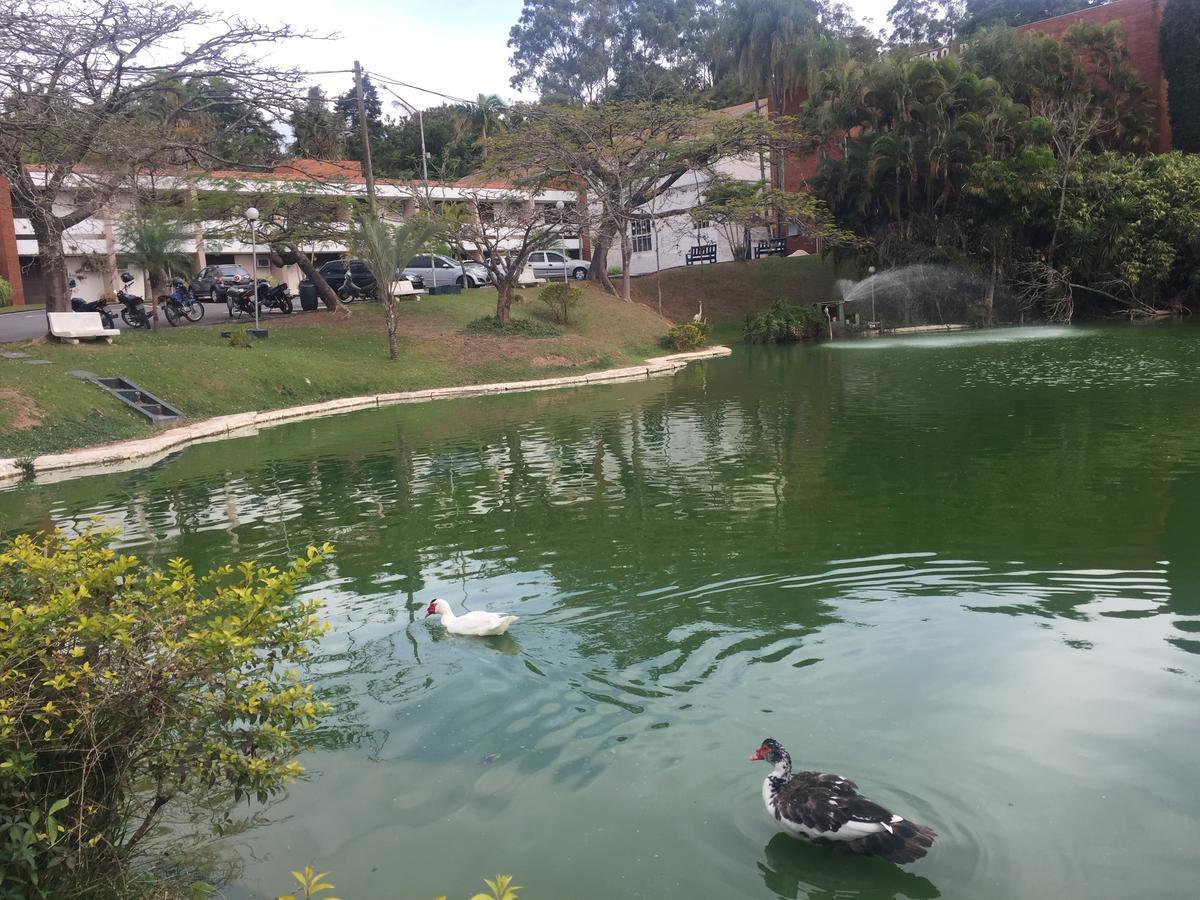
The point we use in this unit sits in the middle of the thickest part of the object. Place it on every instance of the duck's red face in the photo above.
(432, 610)
(768, 750)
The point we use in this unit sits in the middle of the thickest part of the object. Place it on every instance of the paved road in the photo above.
(24, 326)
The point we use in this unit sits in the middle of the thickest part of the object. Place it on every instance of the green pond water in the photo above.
(961, 570)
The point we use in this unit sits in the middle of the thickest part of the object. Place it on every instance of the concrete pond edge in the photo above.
(120, 455)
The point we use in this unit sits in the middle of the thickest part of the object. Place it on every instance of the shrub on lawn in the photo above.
(5, 293)
(123, 689)
(782, 323)
(561, 300)
(689, 336)
(512, 327)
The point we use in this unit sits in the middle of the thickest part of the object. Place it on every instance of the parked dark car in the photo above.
(202, 286)
(335, 270)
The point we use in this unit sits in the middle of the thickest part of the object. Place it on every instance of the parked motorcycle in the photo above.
(238, 296)
(348, 291)
(180, 304)
(133, 310)
(78, 304)
(277, 297)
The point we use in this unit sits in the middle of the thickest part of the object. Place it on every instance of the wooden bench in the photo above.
(771, 247)
(69, 327)
(701, 253)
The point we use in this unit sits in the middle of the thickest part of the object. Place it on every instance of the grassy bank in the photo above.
(731, 291)
(307, 358)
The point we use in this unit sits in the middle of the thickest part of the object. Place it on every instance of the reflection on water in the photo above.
(965, 579)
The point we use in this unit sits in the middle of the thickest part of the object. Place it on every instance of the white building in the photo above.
(93, 248)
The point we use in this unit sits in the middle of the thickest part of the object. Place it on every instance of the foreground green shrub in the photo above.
(689, 336)
(512, 327)
(5, 293)
(783, 322)
(123, 689)
(561, 299)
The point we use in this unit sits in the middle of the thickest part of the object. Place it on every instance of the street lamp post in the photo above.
(562, 247)
(871, 272)
(252, 216)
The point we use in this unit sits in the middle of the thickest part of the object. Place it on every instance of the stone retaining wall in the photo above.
(110, 457)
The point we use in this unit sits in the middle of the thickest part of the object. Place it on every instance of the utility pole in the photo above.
(366, 137)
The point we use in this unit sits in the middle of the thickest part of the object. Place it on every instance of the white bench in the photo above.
(527, 278)
(404, 288)
(71, 326)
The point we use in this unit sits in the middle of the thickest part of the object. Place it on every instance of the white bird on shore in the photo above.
(699, 317)
(476, 623)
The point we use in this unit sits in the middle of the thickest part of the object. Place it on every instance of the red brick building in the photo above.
(1139, 21)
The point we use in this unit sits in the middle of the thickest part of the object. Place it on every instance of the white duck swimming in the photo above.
(476, 622)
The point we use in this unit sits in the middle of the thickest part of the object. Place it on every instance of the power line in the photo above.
(417, 87)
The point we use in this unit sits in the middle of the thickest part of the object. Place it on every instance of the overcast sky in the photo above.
(457, 47)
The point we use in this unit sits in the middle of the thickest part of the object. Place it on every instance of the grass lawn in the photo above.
(731, 291)
(307, 358)
(28, 307)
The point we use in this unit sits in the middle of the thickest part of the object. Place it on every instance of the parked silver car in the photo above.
(437, 270)
(550, 265)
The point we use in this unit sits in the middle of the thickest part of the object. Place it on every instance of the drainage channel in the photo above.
(134, 397)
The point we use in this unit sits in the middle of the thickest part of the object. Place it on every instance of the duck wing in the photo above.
(829, 807)
(480, 623)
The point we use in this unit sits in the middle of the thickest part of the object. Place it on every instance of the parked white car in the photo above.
(437, 271)
(551, 265)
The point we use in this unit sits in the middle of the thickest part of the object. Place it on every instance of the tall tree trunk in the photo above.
(504, 298)
(327, 294)
(389, 315)
(598, 270)
(158, 288)
(53, 262)
(626, 253)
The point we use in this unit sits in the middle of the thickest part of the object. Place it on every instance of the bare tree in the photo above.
(500, 229)
(92, 92)
(1074, 124)
(623, 156)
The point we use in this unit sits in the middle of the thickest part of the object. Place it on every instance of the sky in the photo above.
(456, 47)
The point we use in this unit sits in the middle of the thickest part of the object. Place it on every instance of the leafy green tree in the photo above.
(319, 133)
(346, 108)
(982, 13)
(124, 690)
(488, 111)
(575, 51)
(925, 23)
(387, 248)
(1178, 41)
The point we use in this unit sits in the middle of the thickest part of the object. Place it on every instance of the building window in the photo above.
(642, 241)
(264, 262)
(699, 225)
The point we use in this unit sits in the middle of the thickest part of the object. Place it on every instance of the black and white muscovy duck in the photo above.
(828, 808)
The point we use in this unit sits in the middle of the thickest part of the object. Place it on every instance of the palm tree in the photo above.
(154, 244)
(386, 248)
(487, 111)
(771, 40)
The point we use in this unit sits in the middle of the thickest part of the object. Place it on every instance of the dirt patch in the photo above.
(22, 412)
(552, 361)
